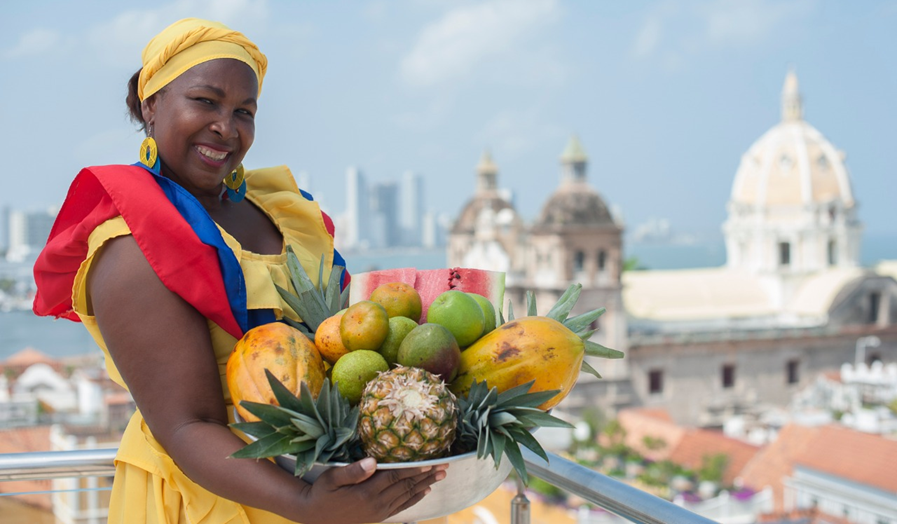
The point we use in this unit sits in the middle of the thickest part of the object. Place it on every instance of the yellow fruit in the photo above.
(279, 348)
(328, 340)
(399, 299)
(529, 348)
(364, 326)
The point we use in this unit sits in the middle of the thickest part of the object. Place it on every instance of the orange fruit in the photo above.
(328, 340)
(364, 326)
(399, 300)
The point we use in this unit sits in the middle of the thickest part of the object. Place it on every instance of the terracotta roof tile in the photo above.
(776, 461)
(699, 443)
(834, 450)
(654, 423)
(24, 440)
(27, 357)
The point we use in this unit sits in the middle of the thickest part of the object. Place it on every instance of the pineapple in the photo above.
(407, 415)
(313, 305)
(322, 430)
(495, 424)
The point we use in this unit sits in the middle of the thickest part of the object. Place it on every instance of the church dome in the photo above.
(792, 164)
(575, 206)
(467, 220)
(488, 197)
(574, 203)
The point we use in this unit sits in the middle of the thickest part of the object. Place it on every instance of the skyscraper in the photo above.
(412, 208)
(27, 232)
(357, 209)
(384, 207)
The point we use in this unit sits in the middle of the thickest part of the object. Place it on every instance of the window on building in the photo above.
(579, 261)
(728, 376)
(602, 260)
(784, 254)
(655, 382)
(832, 253)
(874, 306)
(791, 371)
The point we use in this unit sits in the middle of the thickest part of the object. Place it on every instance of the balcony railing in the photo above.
(616, 497)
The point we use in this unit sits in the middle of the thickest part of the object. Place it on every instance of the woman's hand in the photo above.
(357, 493)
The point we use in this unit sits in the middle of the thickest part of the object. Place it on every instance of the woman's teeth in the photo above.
(211, 153)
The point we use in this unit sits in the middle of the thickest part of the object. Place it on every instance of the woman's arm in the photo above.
(161, 346)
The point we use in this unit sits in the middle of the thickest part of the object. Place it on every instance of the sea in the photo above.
(63, 338)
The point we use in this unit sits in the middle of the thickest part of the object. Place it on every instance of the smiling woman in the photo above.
(168, 262)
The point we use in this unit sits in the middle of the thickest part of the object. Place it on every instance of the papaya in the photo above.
(549, 350)
(284, 351)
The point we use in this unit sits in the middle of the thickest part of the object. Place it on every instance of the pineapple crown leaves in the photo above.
(580, 325)
(313, 305)
(497, 424)
(315, 430)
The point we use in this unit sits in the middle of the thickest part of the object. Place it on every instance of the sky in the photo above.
(665, 96)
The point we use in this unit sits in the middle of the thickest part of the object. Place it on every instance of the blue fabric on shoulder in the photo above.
(207, 231)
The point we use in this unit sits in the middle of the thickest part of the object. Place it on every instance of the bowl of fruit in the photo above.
(407, 417)
(423, 373)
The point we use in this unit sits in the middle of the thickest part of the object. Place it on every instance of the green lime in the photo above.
(399, 327)
(354, 370)
(460, 314)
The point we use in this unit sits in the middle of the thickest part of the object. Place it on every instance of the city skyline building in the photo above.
(412, 208)
(388, 214)
(385, 231)
(27, 232)
(357, 206)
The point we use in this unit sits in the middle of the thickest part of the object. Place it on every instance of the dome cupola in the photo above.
(574, 203)
(792, 207)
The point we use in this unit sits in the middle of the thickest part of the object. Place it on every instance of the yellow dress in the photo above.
(149, 487)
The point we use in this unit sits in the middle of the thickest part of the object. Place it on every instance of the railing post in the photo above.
(520, 505)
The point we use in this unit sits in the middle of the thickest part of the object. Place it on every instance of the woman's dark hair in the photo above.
(133, 101)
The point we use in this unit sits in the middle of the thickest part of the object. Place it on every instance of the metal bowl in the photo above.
(468, 480)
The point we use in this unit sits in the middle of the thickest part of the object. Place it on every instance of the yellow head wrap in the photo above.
(190, 42)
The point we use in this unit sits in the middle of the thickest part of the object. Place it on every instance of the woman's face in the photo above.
(204, 123)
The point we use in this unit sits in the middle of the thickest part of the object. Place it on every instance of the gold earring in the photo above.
(236, 178)
(236, 184)
(149, 154)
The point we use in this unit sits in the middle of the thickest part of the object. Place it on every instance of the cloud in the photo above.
(702, 24)
(468, 37)
(512, 133)
(747, 22)
(123, 37)
(648, 37)
(34, 42)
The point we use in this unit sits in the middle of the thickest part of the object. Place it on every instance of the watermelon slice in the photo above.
(431, 283)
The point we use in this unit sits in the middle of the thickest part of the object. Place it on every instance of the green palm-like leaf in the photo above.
(597, 350)
(531, 304)
(589, 369)
(565, 304)
(580, 323)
